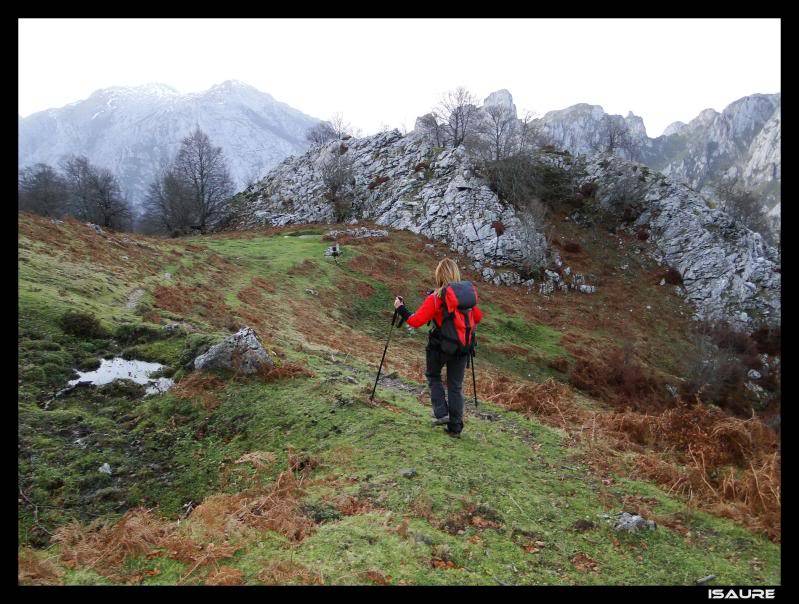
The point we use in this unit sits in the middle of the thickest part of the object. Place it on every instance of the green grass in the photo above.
(166, 451)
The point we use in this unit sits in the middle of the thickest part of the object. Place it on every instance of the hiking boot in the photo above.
(451, 433)
(440, 421)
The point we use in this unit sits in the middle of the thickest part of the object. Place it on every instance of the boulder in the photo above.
(633, 522)
(241, 352)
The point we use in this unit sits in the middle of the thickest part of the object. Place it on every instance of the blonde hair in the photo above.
(447, 272)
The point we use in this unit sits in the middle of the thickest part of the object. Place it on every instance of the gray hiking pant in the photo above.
(450, 403)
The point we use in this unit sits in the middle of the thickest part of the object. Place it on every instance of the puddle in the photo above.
(122, 369)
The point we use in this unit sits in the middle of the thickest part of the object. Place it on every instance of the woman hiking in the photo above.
(452, 307)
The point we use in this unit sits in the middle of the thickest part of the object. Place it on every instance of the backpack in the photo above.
(456, 334)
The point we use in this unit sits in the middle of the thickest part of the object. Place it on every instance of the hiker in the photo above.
(453, 309)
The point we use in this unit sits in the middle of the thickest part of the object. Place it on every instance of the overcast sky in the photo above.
(379, 72)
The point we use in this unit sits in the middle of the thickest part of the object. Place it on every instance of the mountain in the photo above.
(134, 131)
(743, 141)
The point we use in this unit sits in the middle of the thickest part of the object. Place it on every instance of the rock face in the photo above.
(404, 183)
(728, 271)
(131, 131)
(241, 352)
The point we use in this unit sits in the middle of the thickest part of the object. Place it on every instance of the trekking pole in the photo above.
(380, 368)
(474, 379)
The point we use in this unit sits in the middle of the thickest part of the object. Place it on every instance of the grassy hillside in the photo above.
(293, 477)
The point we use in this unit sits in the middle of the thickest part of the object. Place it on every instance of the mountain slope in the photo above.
(134, 131)
(295, 478)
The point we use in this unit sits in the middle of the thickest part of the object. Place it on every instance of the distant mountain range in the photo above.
(743, 140)
(134, 131)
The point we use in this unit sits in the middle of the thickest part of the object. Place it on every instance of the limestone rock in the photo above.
(240, 352)
(451, 204)
(633, 522)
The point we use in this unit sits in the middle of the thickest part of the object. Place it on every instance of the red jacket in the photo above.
(431, 309)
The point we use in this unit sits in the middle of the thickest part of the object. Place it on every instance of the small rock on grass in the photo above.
(632, 522)
(408, 472)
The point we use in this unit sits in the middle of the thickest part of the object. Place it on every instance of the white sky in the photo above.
(391, 71)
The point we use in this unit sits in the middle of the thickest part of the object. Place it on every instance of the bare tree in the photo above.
(456, 112)
(320, 133)
(497, 132)
(431, 129)
(168, 206)
(203, 170)
(337, 175)
(77, 171)
(531, 134)
(41, 190)
(111, 209)
(614, 136)
(94, 194)
(744, 206)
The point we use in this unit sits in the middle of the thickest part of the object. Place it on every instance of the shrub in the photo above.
(768, 340)
(523, 179)
(620, 378)
(573, 247)
(130, 333)
(642, 234)
(672, 276)
(82, 325)
(588, 189)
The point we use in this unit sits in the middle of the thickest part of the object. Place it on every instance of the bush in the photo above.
(523, 179)
(672, 276)
(573, 247)
(768, 340)
(82, 325)
(619, 378)
(129, 333)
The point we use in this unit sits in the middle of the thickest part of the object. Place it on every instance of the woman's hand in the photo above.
(398, 301)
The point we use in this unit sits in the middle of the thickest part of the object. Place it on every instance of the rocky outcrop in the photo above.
(728, 271)
(241, 352)
(400, 182)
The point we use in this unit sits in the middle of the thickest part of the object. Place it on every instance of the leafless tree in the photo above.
(42, 190)
(168, 206)
(320, 133)
(201, 167)
(531, 134)
(337, 175)
(111, 208)
(745, 207)
(456, 112)
(497, 131)
(77, 171)
(94, 194)
(333, 129)
(429, 126)
(614, 135)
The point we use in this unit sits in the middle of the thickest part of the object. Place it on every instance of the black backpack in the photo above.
(456, 334)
